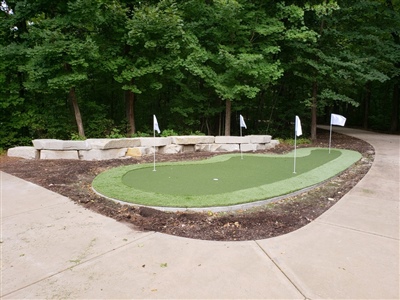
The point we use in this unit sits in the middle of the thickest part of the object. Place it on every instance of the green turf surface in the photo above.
(226, 176)
(222, 180)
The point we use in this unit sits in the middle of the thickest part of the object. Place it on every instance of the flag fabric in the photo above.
(298, 130)
(242, 123)
(155, 124)
(337, 120)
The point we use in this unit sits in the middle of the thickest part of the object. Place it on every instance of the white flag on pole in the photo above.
(242, 123)
(298, 130)
(155, 124)
(337, 120)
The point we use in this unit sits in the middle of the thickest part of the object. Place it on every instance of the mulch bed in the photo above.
(73, 178)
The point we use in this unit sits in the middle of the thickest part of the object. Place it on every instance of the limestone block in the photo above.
(99, 154)
(151, 141)
(171, 149)
(49, 144)
(261, 146)
(188, 148)
(274, 142)
(260, 139)
(252, 147)
(113, 143)
(203, 147)
(224, 147)
(249, 147)
(232, 140)
(98, 143)
(59, 154)
(216, 147)
(75, 145)
(192, 139)
(135, 152)
(53, 144)
(271, 144)
(139, 151)
(24, 152)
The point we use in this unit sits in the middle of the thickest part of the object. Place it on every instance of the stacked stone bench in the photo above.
(104, 149)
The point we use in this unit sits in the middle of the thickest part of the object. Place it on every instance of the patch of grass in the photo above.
(300, 141)
(222, 180)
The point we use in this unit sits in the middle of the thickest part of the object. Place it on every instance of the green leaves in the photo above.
(185, 59)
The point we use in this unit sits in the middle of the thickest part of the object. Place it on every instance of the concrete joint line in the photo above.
(79, 264)
(280, 269)
(354, 229)
(28, 211)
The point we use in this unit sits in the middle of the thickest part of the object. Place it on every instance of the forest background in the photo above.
(102, 68)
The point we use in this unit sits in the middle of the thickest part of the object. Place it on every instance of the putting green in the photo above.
(222, 180)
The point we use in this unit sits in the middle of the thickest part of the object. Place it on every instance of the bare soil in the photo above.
(73, 179)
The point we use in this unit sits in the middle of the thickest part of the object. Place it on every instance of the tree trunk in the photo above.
(314, 111)
(228, 110)
(367, 98)
(394, 124)
(77, 112)
(220, 124)
(130, 104)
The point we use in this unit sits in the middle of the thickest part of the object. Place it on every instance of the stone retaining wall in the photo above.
(102, 149)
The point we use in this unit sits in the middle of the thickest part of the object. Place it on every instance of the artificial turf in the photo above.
(222, 177)
(222, 180)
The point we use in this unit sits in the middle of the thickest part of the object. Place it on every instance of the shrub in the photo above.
(115, 134)
(140, 134)
(168, 132)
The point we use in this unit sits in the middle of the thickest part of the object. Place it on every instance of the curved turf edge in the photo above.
(109, 183)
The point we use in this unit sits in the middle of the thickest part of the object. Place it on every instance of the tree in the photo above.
(393, 9)
(335, 64)
(233, 51)
(106, 65)
(66, 55)
(154, 37)
(17, 112)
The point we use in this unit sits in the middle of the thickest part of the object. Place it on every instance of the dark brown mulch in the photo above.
(73, 179)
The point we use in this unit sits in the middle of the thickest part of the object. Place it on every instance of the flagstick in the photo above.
(241, 154)
(330, 137)
(295, 143)
(154, 143)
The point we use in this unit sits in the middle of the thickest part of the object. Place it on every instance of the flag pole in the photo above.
(241, 153)
(154, 146)
(295, 145)
(335, 120)
(241, 124)
(330, 135)
(297, 132)
(155, 127)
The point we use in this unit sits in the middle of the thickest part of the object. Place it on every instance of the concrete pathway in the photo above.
(52, 248)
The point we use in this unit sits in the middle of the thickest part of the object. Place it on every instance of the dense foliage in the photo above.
(96, 68)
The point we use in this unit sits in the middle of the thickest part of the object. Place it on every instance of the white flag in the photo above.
(155, 124)
(337, 120)
(297, 129)
(242, 123)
